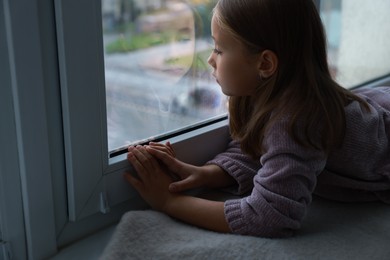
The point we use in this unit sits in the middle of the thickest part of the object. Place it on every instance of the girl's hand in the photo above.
(190, 176)
(167, 148)
(153, 180)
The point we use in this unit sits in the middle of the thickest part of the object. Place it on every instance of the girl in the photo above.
(295, 131)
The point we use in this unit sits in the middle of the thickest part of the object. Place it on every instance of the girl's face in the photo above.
(235, 69)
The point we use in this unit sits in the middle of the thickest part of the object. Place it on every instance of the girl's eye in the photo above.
(216, 51)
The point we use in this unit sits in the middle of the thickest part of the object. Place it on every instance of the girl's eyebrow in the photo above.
(220, 44)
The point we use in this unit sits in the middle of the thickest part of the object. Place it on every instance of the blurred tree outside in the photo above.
(149, 25)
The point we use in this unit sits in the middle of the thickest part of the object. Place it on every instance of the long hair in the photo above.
(302, 87)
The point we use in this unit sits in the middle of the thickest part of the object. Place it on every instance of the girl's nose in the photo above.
(211, 60)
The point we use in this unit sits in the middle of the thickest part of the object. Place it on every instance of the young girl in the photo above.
(295, 131)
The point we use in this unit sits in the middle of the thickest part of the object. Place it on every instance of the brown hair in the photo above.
(302, 86)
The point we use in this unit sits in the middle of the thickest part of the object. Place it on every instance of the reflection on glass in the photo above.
(156, 71)
(157, 76)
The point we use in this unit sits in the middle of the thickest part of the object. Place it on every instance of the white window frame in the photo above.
(47, 132)
(91, 184)
(27, 212)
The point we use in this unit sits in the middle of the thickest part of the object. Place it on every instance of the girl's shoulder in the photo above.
(375, 96)
(372, 91)
(368, 126)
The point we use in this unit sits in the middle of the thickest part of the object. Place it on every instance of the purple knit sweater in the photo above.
(278, 188)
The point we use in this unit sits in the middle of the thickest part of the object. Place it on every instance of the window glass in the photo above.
(358, 33)
(157, 77)
(156, 71)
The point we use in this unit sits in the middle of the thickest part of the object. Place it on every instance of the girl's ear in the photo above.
(268, 64)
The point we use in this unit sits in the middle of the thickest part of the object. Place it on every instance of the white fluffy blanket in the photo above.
(331, 230)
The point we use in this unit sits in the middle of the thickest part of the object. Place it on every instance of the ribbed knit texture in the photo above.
(283, 180)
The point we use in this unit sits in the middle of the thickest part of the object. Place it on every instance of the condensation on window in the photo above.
(156, 71)
(358, 33)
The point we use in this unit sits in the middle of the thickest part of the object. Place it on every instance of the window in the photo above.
(156, 73)
(55, 164)
(94, 182)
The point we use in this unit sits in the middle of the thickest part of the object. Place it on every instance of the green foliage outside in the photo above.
(143, 40)
(134, 41)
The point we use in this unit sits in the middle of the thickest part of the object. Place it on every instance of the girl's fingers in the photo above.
(168, 144)
(167, 147)
(142, 160)
(156, 144)
(141, 157)
(162, 156)
(147, 158)
(181, 185)
(170, 162)
(131, 157)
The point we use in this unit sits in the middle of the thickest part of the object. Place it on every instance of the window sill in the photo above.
(90, 247)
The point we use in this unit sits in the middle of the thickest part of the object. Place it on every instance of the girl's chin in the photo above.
(226, 93)
(224, 90)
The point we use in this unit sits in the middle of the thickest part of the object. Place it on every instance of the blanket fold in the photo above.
(331, 230)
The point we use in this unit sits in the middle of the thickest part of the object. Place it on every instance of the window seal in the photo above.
(171, 134)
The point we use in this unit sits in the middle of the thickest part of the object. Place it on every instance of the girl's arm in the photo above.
(198, 212)
(282, 188)
(231, 169)
(241, 167)
(152, 184)
(190, 176)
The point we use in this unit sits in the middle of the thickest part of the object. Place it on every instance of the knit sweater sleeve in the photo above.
(282, 188)
(238, 165)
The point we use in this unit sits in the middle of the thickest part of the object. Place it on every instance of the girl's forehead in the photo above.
(217, 30)
(214, 23)
(221, 34)
(216, 20)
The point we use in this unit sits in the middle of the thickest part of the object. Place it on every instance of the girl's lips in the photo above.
(215, 78)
